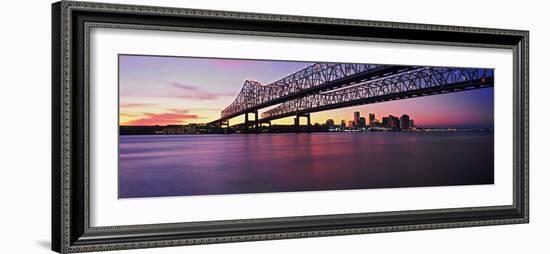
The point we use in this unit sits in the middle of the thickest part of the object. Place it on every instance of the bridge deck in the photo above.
(415, 83)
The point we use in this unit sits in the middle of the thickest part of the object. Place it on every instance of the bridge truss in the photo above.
(413, 83)
(315, 78)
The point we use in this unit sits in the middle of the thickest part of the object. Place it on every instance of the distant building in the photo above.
(393, 122)
(362, 122)
(386, 122)
(404, 122)
(372, 118)
(351, 124)
(330, 123)
(343, 124)
(195, 128)
(174, 129)
(412, 123)
(356, 116)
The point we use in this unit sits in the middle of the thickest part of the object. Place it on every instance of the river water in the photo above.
(177, 165)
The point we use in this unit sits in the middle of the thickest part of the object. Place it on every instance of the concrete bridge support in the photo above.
(224, 124)
(297, 122)
(248, 123)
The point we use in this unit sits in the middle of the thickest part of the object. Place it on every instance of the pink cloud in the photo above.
(173, 117)
(204, 96)
(184, 86)
(194, 93)
(134, 105)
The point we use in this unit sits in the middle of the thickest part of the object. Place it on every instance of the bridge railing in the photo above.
(253, 93)
(403, 84)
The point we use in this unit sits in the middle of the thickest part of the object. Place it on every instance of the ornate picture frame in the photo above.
(71, 229)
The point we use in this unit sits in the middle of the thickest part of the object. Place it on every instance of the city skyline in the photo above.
(176, 90)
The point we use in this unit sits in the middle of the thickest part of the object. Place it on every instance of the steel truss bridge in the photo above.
(326, 86)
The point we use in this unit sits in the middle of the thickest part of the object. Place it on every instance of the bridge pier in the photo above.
(261, 125)
(248, 123)
(297, 122)
(256, 121)
(308, 123)
(224, 123)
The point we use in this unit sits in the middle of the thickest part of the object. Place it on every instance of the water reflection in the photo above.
(156, 165)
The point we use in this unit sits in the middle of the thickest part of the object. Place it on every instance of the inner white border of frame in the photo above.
(107, 210)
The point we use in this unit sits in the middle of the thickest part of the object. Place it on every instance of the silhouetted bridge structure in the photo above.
(326, 86)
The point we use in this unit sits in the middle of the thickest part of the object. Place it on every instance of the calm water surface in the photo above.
(155, 165)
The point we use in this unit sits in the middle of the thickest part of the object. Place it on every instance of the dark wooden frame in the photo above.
(71, 22)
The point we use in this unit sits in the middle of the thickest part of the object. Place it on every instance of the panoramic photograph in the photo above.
(214, 126)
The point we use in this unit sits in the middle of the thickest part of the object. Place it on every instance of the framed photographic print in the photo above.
(181, 126)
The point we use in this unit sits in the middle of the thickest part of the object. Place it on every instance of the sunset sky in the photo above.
(158, 90)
